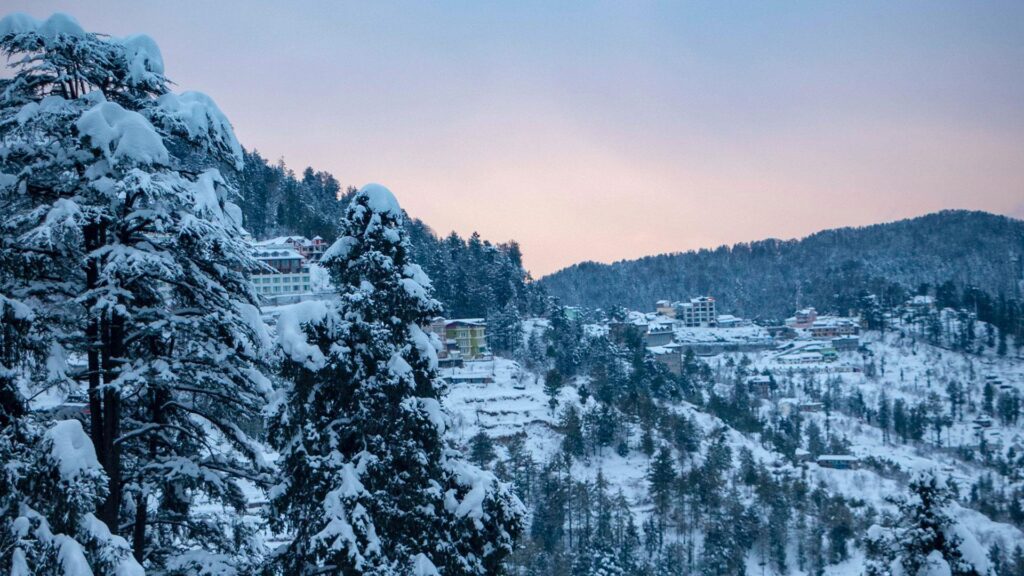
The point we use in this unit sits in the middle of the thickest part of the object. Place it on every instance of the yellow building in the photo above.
(470, 334)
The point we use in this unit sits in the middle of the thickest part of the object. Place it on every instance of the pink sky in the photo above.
(603, 131)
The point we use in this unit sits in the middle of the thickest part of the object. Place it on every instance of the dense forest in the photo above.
(830, 269)
(472, 277)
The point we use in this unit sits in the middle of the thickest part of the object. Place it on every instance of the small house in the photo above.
(838, 461)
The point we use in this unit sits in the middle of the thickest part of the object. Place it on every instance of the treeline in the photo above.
(472, 277)
(829, 270)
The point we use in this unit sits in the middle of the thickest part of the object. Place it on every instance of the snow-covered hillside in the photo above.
(840, 400)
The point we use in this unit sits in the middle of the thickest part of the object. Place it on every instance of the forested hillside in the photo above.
(829, 269)
(472, 277)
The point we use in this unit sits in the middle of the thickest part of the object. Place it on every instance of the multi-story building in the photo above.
(449, 356)
(288, 274)
(698, 312)
(669, 356)
(659, 334)
(311, 250)
(829, 327)
(803, 318)
(463, 338)
(470, 334)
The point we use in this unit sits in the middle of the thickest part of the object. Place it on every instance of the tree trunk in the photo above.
(92, 334)
(139, 530)
(112, 356)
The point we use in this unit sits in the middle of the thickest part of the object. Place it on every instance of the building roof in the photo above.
(466, 322)
(832, 322)
(277, 253)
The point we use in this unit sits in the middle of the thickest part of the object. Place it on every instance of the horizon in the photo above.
(796, 238)
(605, 133)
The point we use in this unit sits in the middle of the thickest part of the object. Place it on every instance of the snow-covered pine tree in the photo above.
(50, 487)
(115, 183)
(369, 484)
(50, 480)
(924, 540)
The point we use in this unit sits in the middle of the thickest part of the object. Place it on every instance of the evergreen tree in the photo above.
(572, 432)
(481, 449)
(661, 477)
(548, 522)
(726, 540)
(884, 416)
(521, 466)
(51, 483)
(121, 190)
(923, 541)
(815, 442)
(552, 386)
(369, 485)
(505, 330)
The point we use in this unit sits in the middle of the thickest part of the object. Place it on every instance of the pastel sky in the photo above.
(610, 130)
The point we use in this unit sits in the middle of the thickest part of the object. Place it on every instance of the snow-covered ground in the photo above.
(902, 367)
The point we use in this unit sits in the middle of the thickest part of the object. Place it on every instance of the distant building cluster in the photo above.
(287, 258)
(694, 325)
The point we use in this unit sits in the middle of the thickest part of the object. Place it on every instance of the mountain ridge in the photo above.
(967, 247)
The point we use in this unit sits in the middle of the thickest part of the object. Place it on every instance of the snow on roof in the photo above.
(837, 458)
(661, 350)
(467, 321)
(832, 322)
(738, 334)
(661, 325)
(282, 240)
(281, 253)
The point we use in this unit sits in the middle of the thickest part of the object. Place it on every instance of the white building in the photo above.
(698, 312)
(288, 273)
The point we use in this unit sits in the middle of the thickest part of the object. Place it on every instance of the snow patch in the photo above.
(291, 335)
(145, 62)
(422, 566)
(71, 449)
(380, 200)
(122, 134)
(199, 116)
(54, 26)
(61, 24)
(340, 250)
(18, 23)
